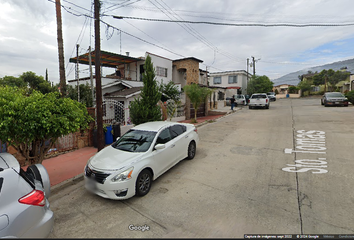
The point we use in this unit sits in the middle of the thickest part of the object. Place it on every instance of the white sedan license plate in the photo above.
(336, 103)
(91, 184)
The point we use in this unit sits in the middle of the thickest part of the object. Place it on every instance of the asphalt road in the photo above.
(241, 181)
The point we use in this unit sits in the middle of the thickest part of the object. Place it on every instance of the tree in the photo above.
(169, 91)
(145, 108)
(12, 82)
(197, 95)
(350, 96)
(32, 123)
(85, 94)
(37, 82)
(330, 77)
(292, 89)
(259, 84)
(304, 86)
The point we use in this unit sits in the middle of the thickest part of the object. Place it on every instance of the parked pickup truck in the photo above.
(258, 100)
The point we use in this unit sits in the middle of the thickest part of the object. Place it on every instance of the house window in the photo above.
(233, 79)
(217, 80)
(162, 72)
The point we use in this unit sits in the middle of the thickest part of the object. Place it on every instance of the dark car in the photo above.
(334, 99)
(272, 96)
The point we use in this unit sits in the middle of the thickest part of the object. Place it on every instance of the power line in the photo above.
(244, 24)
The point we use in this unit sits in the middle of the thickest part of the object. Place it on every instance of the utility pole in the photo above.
(248, 64)
(60, 49)
(77, 72)
(254, 67)
(91, 77)
(99, 117)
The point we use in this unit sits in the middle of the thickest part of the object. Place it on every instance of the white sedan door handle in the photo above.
(186, 136)
(173, 146)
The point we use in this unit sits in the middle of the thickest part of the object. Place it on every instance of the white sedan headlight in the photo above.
(126, 175)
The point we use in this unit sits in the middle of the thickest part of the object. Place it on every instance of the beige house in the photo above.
(283, 91)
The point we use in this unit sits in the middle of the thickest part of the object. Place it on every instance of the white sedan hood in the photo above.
(111, 159)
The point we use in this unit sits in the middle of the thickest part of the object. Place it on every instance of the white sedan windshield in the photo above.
(135, 141)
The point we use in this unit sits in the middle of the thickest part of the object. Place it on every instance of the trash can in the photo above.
(287, 95)
(116, 131)
(108, 135)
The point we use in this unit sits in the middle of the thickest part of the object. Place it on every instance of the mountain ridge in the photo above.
(292, 78)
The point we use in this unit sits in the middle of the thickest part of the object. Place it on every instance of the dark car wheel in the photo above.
(191, 150)
(143, 183)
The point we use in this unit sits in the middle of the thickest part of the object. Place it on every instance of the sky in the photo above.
(233, 31)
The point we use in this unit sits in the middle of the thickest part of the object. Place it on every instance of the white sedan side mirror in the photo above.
(160, 146)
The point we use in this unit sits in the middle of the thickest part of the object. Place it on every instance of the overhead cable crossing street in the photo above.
(244, 24)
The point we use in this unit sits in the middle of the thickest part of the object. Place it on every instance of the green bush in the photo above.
(350, 96)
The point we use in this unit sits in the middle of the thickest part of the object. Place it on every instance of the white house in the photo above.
(235, 82)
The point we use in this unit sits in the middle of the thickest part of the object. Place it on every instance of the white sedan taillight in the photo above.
(36, 198)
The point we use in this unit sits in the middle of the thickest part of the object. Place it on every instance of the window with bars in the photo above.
(162, 72)
(217, 80)
(233, 79)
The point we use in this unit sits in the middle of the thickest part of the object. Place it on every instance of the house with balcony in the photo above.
(229, 83)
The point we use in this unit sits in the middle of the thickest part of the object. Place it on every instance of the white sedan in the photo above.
(128, 166)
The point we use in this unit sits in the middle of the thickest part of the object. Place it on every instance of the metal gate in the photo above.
(113, 112)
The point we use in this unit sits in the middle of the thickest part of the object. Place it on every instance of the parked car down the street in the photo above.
(272, 96)
(24, 209)
(128, 166)
(334, 99)
(240, 99)
(259, 100)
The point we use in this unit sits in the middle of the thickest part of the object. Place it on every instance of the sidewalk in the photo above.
(65, 168)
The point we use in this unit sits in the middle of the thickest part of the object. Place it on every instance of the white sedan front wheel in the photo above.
(191, 150)
(143, 183)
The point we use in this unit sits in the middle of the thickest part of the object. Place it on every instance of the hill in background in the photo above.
(292, 78)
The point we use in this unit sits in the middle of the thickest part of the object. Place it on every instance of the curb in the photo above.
(66, 183)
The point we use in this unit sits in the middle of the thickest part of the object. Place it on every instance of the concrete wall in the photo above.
(162, 62)
(290, 96)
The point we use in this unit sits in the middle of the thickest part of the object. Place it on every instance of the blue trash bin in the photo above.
(287, 95)
(108, 135)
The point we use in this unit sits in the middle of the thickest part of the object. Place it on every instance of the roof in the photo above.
(108, 59)
(124, 92)
(189, 58)
(228, 73)
(126, 83)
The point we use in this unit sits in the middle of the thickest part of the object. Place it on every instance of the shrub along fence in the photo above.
(63, 144)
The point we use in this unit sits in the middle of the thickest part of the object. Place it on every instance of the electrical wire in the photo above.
(244, 24)
(195, 22)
